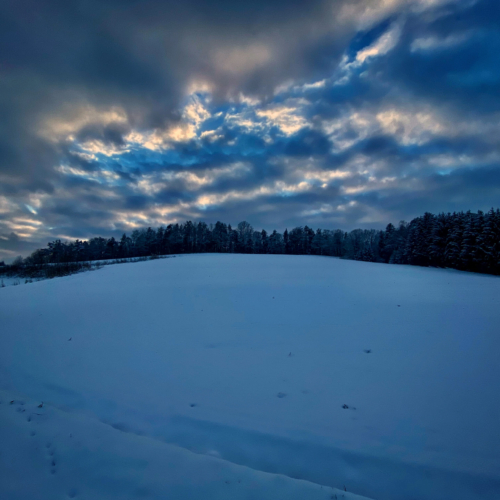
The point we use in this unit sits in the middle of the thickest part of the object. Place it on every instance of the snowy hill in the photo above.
(251, 376)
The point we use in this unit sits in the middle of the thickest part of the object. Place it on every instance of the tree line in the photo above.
(466, 241)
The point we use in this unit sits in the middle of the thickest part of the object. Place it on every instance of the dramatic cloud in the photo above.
(348, 113)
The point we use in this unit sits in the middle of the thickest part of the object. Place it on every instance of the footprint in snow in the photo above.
(50, 457)
(72, 493)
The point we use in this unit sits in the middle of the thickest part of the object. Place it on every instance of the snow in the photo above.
(48, 454)
(184, 373)
(11, 281)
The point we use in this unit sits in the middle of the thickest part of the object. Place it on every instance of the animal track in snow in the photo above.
(51, 458)
(72, 493)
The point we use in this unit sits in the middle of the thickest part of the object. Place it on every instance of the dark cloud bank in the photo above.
(123, 114)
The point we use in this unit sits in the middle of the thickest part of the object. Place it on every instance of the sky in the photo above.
(117, 115)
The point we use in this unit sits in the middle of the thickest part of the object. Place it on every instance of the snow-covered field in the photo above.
(227, 376)
(11, 281)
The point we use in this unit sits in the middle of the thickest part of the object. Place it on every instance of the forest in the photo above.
(461, 240)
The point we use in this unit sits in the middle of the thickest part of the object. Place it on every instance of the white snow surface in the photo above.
(11, 281)
(225, 376)
(48, 454)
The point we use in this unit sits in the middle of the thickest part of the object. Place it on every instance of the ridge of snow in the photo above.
(47, 453)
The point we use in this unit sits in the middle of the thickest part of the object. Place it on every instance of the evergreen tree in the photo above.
(286, 241)
(438, 239)
(265, 241)
(453, 243)
(469, 241)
